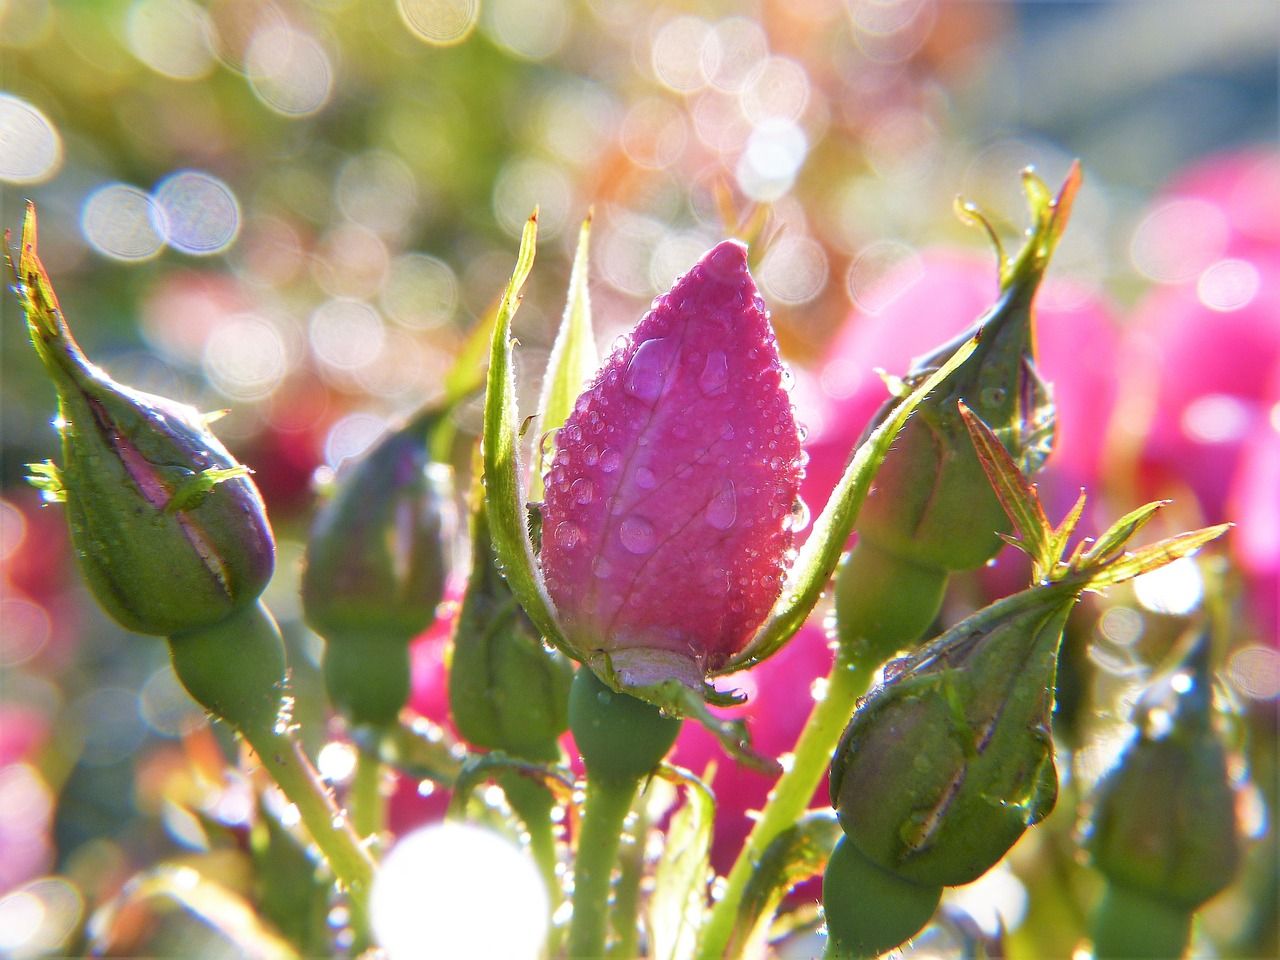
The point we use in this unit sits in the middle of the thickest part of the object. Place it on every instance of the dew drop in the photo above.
(715, 373)
(798, 518)
(722, 511)
(726, 431)
(645, 478)
(573, 433)
(583, 490)
(647, 372)
(568, 534)
(637, 535)
(591, 455)
(601, 567)
(610, 460)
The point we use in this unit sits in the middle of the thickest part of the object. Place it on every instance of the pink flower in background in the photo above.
(931, 298)
(668, 513)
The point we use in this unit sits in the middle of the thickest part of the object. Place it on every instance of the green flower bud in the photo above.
(1164, 822)
(170, 533)
(506, 690)
(621, 739)
(870, 910)
(945, 765)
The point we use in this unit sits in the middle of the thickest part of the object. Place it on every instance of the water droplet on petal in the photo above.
(601, 567)
(583, 490)
(647, 372)
(645, 478)
(591, 455)
(722, 511)
(609, 460)
(715, 373)
(568, 534)
(637, 535)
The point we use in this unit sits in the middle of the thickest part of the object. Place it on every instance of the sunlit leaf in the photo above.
(678, 907)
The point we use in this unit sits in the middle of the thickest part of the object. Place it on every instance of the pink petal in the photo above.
(667, 517)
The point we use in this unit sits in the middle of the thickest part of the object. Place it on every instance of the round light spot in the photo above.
(122, 222)
(794, 270)
(678, 55)
(419, 910)
(741, 47)
(172, 37)
(351, 436)
(245, 358)
(24, 23)
(200, 213)
(531, 31)
(881, 272)
(377, 190)
(1216, 418)
(167, 707)
(775, 152)
(1228, 285)
(654, 134)
(38, 918)
(1255, 672)
(441, 23)
(1178, 240)
(421, 292)
(289, 70)
(524, 183)
(778, 89)
(1123, 626)
(30, 147)
(26, 630)
(346, 334)
(1174, 589)
(336, 761)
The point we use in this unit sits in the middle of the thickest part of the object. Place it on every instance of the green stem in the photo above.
(1129, 925)
(293, 773)
(368, 803)
(626, 898)
(608, 803)
(848, 681)
(533, 803)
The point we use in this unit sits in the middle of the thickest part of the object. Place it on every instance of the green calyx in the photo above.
(169, 530)
(1129, 925)
(621, 739)
(1164, 822)
(946, 765)
(868, 909)
(884, 602)
(506, 690)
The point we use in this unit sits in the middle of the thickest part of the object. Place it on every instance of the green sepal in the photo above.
(480, 768)
(573, 359)
(47, 478)
(191, 491)
(621, 738)
(503, 476)
(793, 856)
(678, 905)
(821, 552)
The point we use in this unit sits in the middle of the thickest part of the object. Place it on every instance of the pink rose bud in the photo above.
(669, 504)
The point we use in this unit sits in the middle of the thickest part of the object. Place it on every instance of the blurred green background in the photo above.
(298, 210)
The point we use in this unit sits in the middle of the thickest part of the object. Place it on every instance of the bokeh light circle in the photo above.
(245, 357)
(200, 213)
(421, 292)
(175, 38)
(441, 23)
(289, 70)
(30, 146)
(122, 222)
(420, 910)
(794, 270)
(346, 334)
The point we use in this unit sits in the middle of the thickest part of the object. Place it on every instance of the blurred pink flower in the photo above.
(667, 519)
(927, 301)
(1244, 187)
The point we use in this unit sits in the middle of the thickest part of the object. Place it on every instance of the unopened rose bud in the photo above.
(667, 522)
(376, 567)
(169, 530)
(1164, 830)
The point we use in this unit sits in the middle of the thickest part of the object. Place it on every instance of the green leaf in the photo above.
(1148, 558)
(47, 478)
(679, 903)
(793, 856)
(573, 357)
(196, 487)
(1121, 532)
(482, 767)
(821, 552)
(1017, 495)
(504, 491)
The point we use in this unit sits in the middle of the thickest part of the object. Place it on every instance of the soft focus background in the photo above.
(298, 211)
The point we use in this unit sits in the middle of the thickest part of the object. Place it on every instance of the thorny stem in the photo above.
(790, 797)
(607, 806)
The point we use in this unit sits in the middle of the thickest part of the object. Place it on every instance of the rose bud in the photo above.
(375, 569)
(931, 510)
(1164, 830)
(506, 690)
(170, 533)
(668, 513)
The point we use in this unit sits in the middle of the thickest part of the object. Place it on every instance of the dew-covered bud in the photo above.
(376, 567)
(1164, 824)
(506, 690)
(947, 763)
(669, 505)
(170, 532)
